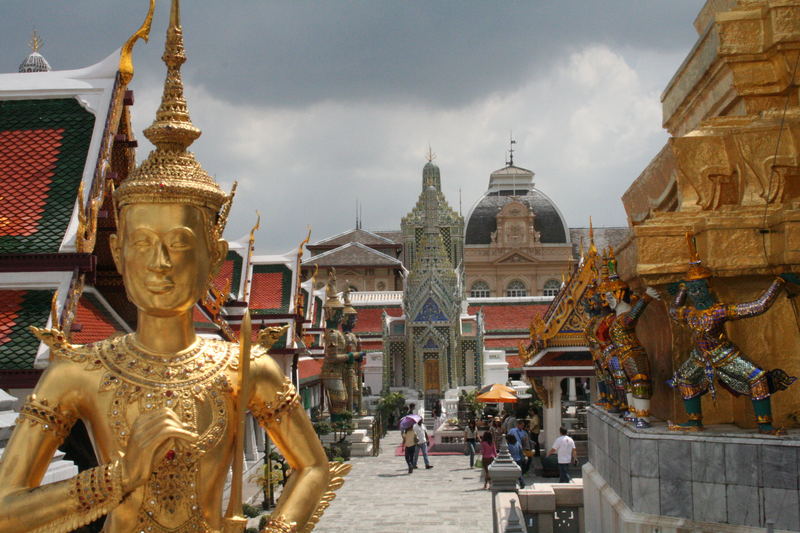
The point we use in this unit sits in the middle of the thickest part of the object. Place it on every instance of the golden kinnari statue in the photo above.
(163, 406)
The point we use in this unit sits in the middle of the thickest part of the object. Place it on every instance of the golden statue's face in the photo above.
(163, 255)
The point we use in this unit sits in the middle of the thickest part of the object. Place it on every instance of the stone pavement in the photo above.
(380, 496)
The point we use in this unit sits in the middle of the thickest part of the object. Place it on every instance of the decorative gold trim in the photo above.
(285, 399)
(337, 472)
(51, 419)
(278, 524)
(126, 54)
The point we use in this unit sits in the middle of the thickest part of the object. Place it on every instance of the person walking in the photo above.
(471, 441)
(515, 449)
(496, 430)
(422, 445)
(488, 453)
(409, 446)
(535, 429)
(564, 446)
(521, 436)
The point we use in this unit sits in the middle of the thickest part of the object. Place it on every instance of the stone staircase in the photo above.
(360, 439)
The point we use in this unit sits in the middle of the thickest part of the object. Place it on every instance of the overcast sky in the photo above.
(311, 105)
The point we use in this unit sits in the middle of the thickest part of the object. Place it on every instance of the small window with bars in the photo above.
(480, 289)
(516, 288)
(551, 287)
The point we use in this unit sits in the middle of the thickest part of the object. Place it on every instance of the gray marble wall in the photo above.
(711, 476)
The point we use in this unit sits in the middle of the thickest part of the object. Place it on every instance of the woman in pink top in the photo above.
(488, 453)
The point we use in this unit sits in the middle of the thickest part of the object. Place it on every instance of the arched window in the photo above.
(480, 289)
(516, 288)
(551, 287)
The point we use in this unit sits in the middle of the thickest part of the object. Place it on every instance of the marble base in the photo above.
(723, 475)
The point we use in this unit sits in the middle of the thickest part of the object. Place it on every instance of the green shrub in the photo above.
(250, 511)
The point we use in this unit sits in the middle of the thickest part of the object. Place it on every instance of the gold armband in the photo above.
(52, 419)
(99, 487)
(285, 399)
(279, 524)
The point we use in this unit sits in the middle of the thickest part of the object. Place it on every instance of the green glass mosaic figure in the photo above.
(714, 357)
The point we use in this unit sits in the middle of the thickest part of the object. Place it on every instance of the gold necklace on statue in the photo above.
(187, 382)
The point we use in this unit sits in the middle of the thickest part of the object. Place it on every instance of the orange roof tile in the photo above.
(506, 317)
(9, 311)
(267, 291)
(309, 368)
(369, 318)
(30, 157)
(95, 322)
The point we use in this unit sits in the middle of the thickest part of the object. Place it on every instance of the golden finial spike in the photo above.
(431, 156)
(36, 42)
(126, 54)
(54, 310)
(592, 247)
(172, 128)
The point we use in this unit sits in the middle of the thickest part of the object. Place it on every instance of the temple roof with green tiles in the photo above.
(43, 150)
(20, 309)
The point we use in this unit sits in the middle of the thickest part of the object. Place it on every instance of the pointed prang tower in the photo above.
(433, 235)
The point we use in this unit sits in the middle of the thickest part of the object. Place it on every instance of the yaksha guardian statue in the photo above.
(335, 373)
(161, 404)
(597, 310)
(714, 357)
(627, 349)
(352, 345)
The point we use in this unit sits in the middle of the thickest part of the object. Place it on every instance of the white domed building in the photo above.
(516, 242)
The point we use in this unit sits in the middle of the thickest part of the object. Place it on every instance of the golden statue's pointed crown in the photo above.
(170, 174)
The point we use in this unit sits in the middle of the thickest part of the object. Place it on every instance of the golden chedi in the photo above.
(163, 406)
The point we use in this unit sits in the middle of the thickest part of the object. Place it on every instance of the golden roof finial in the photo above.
(126, 54)
(592, 247)
(430, 156)
(170, 174)
(36, 42)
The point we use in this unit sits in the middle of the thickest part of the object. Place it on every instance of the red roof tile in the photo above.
(508, 317)
(502, 343)
(372, 345)
(27, 165)
(95, 322)
(309, 368)
(9, 312)
(224, 276)
(514, 361)
(369, 318)
(267, 291)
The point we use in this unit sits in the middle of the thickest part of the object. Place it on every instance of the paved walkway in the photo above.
(380, 496)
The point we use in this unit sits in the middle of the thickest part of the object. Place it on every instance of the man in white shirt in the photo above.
(564, 446)
(422, 445)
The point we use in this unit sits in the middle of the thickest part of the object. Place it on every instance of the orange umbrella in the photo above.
(497, 386)
(498, 394)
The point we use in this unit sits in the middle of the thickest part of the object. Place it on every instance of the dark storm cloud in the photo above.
(292, 53)
(311, 105)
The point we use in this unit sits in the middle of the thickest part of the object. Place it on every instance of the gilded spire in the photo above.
(173, 129)
(36, 42)
(170, 174)
(592, 247)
